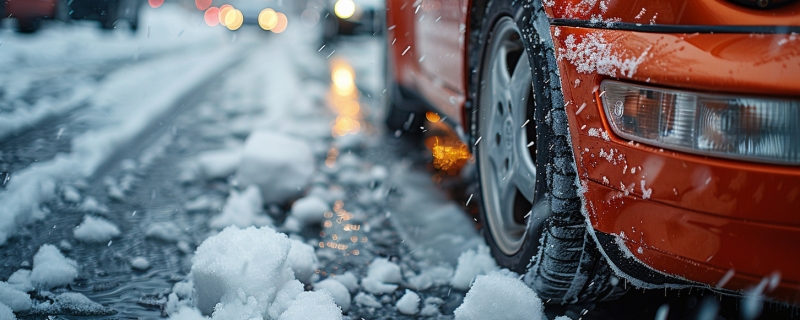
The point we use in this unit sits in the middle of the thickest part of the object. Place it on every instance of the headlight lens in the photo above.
(737, 127)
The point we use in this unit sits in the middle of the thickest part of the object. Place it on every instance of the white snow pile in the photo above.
(164, 231)
(409, 303)
(6, 313)
(594, 53)
(14, 298)
(431, 276)
(219, 164)
(280, 165)
(140, 263)
(242, 209)
(472, 263)
(247, 273)
(500, 295)
(382, 277)
(337, 290)
(307, 210)
(367, 300)
(95, 229)
(52, 269)
(70, 303)
(303, 261)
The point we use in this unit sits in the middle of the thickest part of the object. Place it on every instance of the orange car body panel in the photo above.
(690, 216)
(30, 8)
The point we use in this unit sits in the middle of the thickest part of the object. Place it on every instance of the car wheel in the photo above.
(529, 200)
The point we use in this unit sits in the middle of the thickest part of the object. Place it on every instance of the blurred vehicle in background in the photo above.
(353, 17)
(30, 13)
(107, 12)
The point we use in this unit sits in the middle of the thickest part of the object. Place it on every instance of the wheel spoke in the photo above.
(519, 87)
(500, 78)
(508, 192)
(523, 176)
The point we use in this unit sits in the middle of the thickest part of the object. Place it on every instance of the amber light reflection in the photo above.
(449, 153)
(344, 99)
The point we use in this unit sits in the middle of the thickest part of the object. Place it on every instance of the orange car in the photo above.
(29, 13)
(655, 141)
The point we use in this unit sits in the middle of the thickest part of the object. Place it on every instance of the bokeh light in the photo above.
(432, 116)
(223, 11)
(268, 19)
(283, 22)
(202, 4)
(234, 19)
(344, 8)
(155, 3)
(212, 16)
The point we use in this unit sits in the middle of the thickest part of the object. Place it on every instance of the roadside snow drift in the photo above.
(246, 273)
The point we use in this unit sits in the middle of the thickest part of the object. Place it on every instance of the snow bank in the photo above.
(472, 263)
(337, 290)
(95, 230)
(242, 209)
(246, 273)
(13, 298)
(500, 295)
(279, 164)
(409, 303)
(51, 269)
(382, 277)
(219, 164)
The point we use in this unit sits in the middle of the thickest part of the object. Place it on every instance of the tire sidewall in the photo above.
(522, 16)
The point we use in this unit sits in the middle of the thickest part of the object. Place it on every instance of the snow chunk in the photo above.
(303, 261)
(367, 300)
(71, 194)
(242, 209)
(219, 164)
(6, 313)
(435, 276)
(253, 261)
(409, 303)
(337, 290)
(140, 263)
(310, 209)
(381, 276)
(72, 303)
(21, 280)
(51, 269)
(312, 305)
(472, 263)
(95, 230)
(349, 280)
(91, 205)
(164, 231)
(500, 295)
(279, 164)
(13, 298)
(287, 294)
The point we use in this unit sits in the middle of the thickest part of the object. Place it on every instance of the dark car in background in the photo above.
(29, 14)
(107, 12)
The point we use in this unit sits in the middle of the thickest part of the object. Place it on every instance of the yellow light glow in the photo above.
(449, 154)
(268, 19)
(234, 19)
(283, 22)
(223, 12)
(432, 116)
(344, 9)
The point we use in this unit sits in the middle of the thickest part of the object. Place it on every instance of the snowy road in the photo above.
(124, 158)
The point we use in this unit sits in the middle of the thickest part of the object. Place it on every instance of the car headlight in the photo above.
(737, 127)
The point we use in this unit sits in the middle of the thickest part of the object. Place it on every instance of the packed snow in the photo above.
(500, 295)
(95, 229)
(279, 164)
(52, 269)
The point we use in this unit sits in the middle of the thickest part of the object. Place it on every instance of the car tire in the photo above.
(529, 199)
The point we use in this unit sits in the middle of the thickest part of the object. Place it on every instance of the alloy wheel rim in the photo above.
(506, 164)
